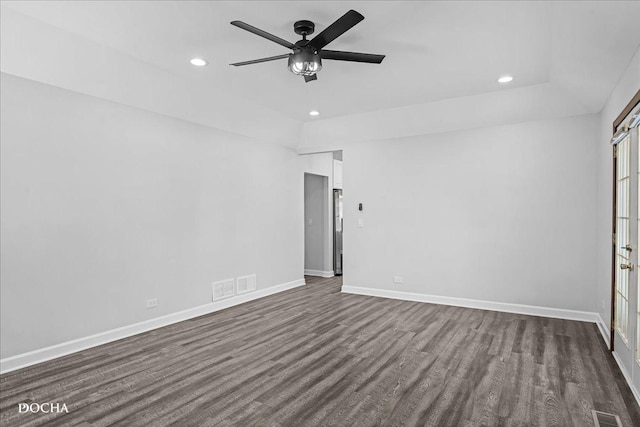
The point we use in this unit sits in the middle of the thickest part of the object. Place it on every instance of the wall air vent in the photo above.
(246, 284)
(602, 419)
(222, 289)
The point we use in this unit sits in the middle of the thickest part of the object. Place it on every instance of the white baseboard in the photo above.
(318, 273)
(604, 330)
(584, 316)
(627, 377)
(42, 355)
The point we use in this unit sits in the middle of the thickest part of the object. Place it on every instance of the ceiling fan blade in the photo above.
(335, 30)
(339, 55)
(257, 61)
(310, 78)
(263, 33)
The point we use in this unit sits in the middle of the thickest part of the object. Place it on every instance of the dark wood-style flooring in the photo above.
(314, 356)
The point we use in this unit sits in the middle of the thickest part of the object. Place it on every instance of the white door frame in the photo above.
(625, 316)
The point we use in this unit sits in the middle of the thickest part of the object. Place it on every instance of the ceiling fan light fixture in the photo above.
(305, 63)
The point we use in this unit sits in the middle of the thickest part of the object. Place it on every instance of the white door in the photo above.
(627, 253)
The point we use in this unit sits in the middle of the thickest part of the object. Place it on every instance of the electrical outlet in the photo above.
(397, 279)
(151, 303)
(603, 306)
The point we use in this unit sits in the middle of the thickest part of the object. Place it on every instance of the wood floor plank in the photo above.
(313, 356)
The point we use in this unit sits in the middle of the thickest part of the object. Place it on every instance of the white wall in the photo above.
(105, 206)
(315, 216)
(628, 85)
(337, 174)
(504, 214)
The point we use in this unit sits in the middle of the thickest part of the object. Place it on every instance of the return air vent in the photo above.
(246, 284)
(222, 289)
(602, 419)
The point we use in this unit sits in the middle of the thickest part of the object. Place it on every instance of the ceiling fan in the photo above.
(307, 56)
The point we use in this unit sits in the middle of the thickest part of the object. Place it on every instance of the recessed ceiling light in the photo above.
(505, 79)
(314, 113)
(198, 62)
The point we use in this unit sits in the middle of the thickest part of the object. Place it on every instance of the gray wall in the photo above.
(105, 206)
(315, 214)
(503, 214)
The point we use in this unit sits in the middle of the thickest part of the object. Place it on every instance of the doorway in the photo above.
(316, 227)
(337, 231)
(322, 177)
(626, 253)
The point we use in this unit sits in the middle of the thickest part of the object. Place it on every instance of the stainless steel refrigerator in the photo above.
(337, 232)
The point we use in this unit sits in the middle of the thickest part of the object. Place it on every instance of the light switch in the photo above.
(360, 223)
(310, 221)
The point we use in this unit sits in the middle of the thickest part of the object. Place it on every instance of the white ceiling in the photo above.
(436, 52)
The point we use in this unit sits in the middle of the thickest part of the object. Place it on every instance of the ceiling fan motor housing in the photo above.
(304, 27)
